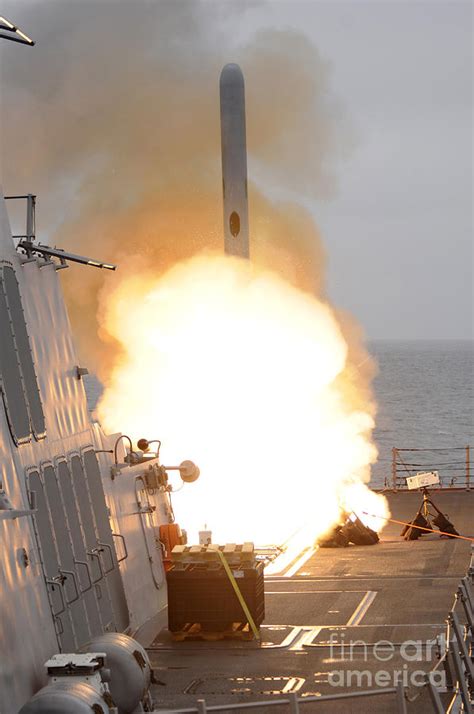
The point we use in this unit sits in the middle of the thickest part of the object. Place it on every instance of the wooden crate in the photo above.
(207, 553)
(194, 631)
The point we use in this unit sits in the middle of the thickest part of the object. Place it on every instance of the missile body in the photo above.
(234, 161)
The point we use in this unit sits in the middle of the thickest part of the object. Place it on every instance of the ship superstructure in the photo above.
(81, 552)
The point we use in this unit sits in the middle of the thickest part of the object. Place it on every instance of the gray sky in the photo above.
(398, 229)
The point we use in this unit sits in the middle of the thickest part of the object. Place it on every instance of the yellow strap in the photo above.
(233, 581)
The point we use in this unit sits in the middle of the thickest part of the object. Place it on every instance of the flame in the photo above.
(231, 366)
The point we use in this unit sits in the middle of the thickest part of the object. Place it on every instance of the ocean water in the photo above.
(425, 397)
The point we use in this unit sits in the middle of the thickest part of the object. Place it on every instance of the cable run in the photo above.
(421, 528)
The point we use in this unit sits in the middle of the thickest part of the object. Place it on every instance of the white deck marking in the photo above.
(311, 592)
(300, 562)
(296, 640)
(301, 637)
(284, 560)
(277, 578)
(305, 637)
(294, 684)
(361, 609)
(289, 639)
(344, 627)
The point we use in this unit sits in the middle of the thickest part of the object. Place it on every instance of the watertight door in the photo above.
(50, 561)
(105, 540)
(68, 569)
(82, 562)
(93, 550)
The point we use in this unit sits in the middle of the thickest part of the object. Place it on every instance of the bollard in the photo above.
(294, 704)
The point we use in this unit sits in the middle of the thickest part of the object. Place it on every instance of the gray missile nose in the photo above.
(231, 75)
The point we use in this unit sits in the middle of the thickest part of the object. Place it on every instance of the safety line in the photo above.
(421, 528)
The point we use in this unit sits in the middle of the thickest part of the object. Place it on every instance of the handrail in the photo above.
(57, 582)
(64, 574)
(94, 553)
(291, 699)
(125, 550)
(111, 556)
(458, 466)
(88, 571)
(457, 662)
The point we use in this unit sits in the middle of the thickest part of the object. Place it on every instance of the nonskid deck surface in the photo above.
(373, 600)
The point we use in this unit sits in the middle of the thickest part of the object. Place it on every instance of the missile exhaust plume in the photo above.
(123, 150)
(232, 365)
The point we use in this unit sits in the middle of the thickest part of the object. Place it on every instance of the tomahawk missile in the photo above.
(234, 161)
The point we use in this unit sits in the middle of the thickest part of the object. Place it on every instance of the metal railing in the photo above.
(452, 463)
(458, 658)
(292, 701)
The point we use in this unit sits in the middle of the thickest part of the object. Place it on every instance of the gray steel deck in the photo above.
(395, 591)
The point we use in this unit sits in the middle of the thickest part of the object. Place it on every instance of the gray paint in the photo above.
(11, 381)
(73, 514)
(30, 383)
(234, 161)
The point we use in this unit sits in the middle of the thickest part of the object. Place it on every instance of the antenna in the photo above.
(16, 35)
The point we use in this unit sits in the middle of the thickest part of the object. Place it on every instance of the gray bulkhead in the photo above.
(65, 574)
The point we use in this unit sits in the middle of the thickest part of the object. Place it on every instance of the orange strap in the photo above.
(421, 528)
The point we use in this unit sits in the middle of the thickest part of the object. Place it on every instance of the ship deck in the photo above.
(383, 597)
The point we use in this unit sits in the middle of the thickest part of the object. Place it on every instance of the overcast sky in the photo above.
(399, 233)
(398, 230)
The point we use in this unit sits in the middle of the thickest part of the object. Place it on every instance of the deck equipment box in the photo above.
(200, 591)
